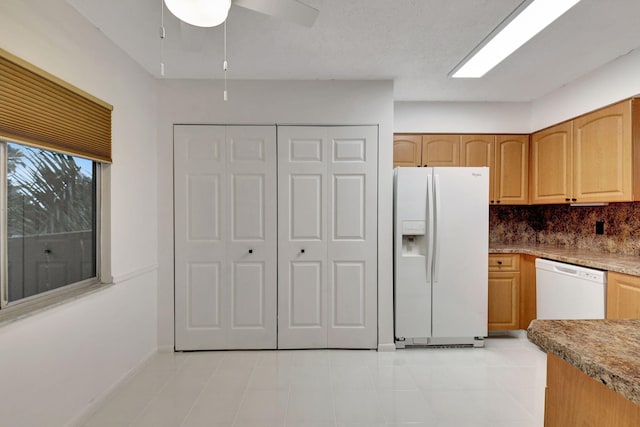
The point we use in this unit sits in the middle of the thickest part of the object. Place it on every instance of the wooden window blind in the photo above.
(43, 111)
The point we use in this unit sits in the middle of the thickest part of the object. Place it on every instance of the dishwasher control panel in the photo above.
(589, 275)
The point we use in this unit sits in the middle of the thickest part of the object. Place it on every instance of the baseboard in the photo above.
(96, 403)
(386, 347)
(165, 349)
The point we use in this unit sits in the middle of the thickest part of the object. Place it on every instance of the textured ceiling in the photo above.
(415, 43)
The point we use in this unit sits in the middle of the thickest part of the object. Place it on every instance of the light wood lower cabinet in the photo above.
(504, 292)
(623, 296)
(512, 291)
(572, 398)
(527, 290)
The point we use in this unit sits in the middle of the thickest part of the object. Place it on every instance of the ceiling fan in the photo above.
(210, 13)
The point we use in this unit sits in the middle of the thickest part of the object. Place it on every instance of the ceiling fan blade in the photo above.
(288, 10)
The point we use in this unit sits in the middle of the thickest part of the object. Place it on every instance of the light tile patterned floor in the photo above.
(501, 385)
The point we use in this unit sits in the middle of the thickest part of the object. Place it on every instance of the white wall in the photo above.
(462, 117)
(55, 363)
(611, 83)
(275, 102)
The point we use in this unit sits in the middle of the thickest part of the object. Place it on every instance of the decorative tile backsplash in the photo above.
(563, 225)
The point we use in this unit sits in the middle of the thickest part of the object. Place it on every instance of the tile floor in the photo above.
(501, 385)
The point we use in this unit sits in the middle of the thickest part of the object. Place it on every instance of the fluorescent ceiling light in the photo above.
(533, 19)
(201, 13)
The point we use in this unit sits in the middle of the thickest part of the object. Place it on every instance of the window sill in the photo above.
(18, 312)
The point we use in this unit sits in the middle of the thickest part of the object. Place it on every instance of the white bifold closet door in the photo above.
(327, 236)
(225, 237)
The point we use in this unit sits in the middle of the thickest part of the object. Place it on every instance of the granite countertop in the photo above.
(606, 350)
(626, 264)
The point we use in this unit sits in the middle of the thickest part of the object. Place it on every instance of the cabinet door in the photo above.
(551, 163)
(602, 163)
(528, 305)
(512, 169)
(407, 150)
(504, 300)
(440, 150)
(623, 296)
(479, 150)
(573, 398)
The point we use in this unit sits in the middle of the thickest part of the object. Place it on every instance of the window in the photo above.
(55, 139)
(51, 205)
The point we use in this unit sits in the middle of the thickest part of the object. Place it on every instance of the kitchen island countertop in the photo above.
(626, 264)
(606, 350)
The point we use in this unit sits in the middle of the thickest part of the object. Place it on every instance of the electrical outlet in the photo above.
(599, 227)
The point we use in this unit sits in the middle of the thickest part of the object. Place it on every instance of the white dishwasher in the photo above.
(567, 291)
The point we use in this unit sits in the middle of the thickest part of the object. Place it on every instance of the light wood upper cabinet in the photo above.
(440, 150)
(623, 296)
(551, 179)
(506, 156)
(602, 152)
(426, 150)
(588, 159)
(512, 169)
(479, 150)
(407, 150)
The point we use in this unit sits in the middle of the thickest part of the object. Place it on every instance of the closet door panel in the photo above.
(225, 238)
(352, 241)
(327, 290)
(200, 248)
(302, 293)
(252, 237)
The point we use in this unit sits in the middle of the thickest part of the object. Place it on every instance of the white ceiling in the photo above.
(416, 43)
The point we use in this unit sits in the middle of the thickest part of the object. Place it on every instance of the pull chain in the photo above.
(162, 36)
(225, 65)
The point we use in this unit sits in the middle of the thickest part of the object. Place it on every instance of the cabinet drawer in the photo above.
(504, 262)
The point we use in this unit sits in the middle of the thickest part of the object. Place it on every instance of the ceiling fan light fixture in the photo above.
(201, 13)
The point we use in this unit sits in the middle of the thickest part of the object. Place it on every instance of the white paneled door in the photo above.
(327, 236)
(225, 237)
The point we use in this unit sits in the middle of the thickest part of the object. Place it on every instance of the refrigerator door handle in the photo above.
(436, 233)
(429, 219)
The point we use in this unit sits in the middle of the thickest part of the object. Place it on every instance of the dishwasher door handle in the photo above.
(566, 270)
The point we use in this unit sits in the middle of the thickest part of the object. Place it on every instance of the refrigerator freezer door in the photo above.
(460, 294)
(412, 292)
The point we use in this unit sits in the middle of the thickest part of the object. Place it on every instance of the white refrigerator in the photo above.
(441, 239)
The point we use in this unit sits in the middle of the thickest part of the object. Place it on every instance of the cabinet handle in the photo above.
(301, 251)
(250, 251)
(491, 201)
(567, 199)
(419, 166)
(499, 262)
(574, 200)
(425, 166)
(497, 201)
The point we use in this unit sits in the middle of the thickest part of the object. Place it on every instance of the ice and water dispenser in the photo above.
(413, 238)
